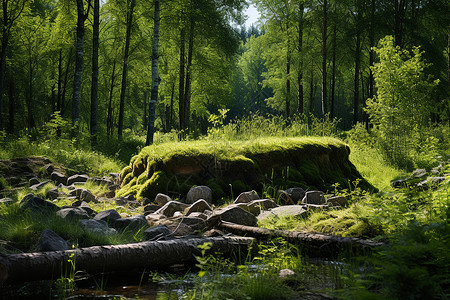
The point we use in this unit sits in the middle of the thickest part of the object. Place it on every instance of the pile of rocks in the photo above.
(424, 179)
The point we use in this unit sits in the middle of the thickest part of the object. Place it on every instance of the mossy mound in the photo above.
(236, 166)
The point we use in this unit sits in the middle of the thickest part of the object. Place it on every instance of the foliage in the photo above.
(401, 109)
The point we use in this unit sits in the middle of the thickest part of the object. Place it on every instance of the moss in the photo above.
(216, 188)
(139, 165)
(125, 190)
(125, 171)
(310, 172)
(158, 183)
(127, 179)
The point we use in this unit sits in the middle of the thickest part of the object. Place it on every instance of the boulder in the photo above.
(292, 195)
(134, 222)
(233, 214)
(246, 197)
(199, 192)
(33, 181)
(151, 208)
(52, 193)
(101, 181)
(154, 219)
(97, 226)
(157, 232)
(36, 204)
(171, 207)
(337, 201)
(77, 178)
(193, 222)
(399, 183)
(108, 216)
(82, 194)
(85, 206)
(6, 201)
(314, 197)
(198, 206)
(283, 211)
(162, 199)
(264, 204)
(419, 173)
(50, 241)
(39, 185)
(253, 209)
(72, 213)
(198, 215)
(58, 178)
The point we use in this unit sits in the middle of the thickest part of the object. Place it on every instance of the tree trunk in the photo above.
(109, 118)
(66, 79)
(356, 76)
(145, 114)
(371, 57)
(58, 96)
(181, 108)
(125, 67)
(155, 75)
(79, 53)
(30, 112)
(399, 16)
(300, 60)
(12, 106)
(149, 255)
(313, 244)
(324, 59)
(187, 93)
(333, 72)
(288, 81)
(94, 84)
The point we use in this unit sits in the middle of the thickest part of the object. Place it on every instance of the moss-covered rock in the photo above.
(237, 166)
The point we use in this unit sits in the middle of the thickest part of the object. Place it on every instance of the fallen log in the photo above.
(151, 255)
(312, 244)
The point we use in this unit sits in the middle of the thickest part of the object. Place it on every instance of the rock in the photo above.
(338, 201)
(171, 207)
(72, 213)
(264, 204)
(39, 185)
(85, 206)
(108, 216)
(151, 208)
(50, 241)
(213, 233)
(120, 201)
(193, 222)
(154, 219)
(49, 168)
(232, 214)
(82, 194)
(314, 197)
(246, 197)
(6, 201)
(284, 273)
(199, 192)
(198, 215)
(101, 181)
(419, 173)
(183, 230)
(36, 204)
(33, 181)
(430, 182)
(145, 201)
(162, 199)
(52, 193)
(134, 222)
(198, 206)
(157, 232)
(97, 226)
(77, 178)
(399, 183)
(58, 178)
(292, 195)
(283, 211)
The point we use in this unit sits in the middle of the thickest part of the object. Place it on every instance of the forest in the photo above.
(348, 98)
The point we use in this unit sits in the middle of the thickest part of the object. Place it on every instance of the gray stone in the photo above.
(39, 185)
(82, 194)
(193, 222)
(6, 201)
(162, 199)
(419, 173)
(246, 197)
(198, 215)
(97, 226)
(285, 273)
(314, 197)
(292, 195)
(77, 178)
(264, 204)
(430, 182)
(198, 206)
(151, 208)
(157, 232)
(338, 201)
(72, 213)
(58, 178)
(399, 183)
(145, 201)
(134, 222)
(101, 181)
(233, 214)
(52, 193)
(199, 192)
(253, 209)
(154, 219)
(120, 201)
(108, 216)
(33, 181)
(283, 211)
(85, 206)
(171, 207)
(36, 204)
(50, 241)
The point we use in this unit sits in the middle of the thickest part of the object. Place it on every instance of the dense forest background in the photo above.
(90, 62)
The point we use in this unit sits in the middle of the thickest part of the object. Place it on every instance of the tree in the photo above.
(82, 15)
(94, 84)
(11, 11)
(155, 74)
